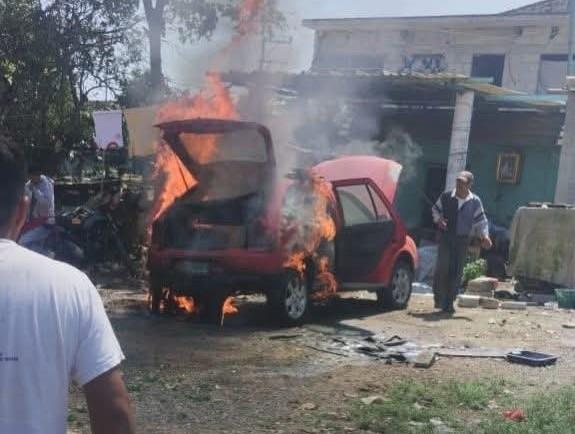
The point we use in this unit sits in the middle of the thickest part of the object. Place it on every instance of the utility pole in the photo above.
(571, 37)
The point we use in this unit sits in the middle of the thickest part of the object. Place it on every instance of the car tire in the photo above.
(397, 295)
(289, 301)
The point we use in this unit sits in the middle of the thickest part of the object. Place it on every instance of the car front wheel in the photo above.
(397, 295)
(290, 299)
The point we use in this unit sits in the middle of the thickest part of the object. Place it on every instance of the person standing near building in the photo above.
(54, 330)
(459, 215)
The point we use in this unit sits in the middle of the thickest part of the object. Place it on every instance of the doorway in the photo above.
(434, 187)
(489, 66)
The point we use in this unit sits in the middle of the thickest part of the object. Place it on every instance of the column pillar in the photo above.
(460, 133)
(565, 190)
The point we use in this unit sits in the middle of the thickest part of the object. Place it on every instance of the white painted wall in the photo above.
(521, 43)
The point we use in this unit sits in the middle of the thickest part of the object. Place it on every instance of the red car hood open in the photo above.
(385, 173)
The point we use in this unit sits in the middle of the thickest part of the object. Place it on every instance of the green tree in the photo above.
(193, 20)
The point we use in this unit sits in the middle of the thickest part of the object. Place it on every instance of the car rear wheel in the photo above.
(397, 295)
(290, 299)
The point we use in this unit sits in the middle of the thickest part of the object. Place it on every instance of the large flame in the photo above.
(171, 177)
(307, 227)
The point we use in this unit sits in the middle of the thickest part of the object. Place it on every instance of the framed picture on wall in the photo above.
(508, 167)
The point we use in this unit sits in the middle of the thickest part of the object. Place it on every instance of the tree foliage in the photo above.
(53, 57)
(193, 20)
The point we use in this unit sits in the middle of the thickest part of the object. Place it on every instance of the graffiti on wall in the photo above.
(424, 64)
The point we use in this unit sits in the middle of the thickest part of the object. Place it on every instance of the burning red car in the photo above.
(240, 228)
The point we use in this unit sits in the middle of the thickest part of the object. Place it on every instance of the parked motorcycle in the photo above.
(85, 236)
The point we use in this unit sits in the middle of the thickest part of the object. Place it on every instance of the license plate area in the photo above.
(194, 268)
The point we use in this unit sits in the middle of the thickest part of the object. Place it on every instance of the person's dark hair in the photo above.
(34, 169)
(13, 177)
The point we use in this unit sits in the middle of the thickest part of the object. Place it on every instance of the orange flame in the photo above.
(248, 12)
(230, 306)
(306, 225)
(186, 304)
(171, 177)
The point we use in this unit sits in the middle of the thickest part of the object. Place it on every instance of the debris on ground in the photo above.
(370, 400)
(425, 360)
(569, 326)
(514, 305)
(515, 415)
(474, 354)
(309, 406)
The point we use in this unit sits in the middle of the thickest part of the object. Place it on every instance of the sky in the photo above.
(182, 63)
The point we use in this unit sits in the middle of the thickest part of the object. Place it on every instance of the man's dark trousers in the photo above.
(451, 260)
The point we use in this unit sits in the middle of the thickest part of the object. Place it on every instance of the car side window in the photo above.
(383, 214)
(357, 205)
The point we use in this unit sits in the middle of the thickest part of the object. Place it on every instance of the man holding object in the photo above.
(459, 215)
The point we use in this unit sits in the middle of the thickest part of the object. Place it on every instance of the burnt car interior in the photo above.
(367, 230)
(233, 164)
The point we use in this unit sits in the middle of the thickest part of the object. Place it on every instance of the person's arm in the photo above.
(437, 214)
(43, 195)
(481, 226)
(109, 404)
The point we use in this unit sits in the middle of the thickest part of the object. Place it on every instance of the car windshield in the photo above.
(246, 145)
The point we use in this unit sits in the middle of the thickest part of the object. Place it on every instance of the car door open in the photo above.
(368, 229)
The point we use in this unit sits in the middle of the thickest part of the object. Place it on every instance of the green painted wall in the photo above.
(537, 180)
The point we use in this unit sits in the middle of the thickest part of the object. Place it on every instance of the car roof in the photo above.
(383, 172)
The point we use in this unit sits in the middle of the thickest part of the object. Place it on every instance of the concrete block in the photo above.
(514, 305)
(482, 286)
(489, 303)
(425, 360)
(469, 301)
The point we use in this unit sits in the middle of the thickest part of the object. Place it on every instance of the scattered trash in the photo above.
(474, 354)
(309, 406)
(377, 399)
(531, 358)
(569, 326)
(492, 321)
(514, 305)
(552, 305)
(505, 294)
(515, 415)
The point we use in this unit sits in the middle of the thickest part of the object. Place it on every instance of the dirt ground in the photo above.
(250, 377)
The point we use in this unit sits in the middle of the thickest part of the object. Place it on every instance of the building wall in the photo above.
(536, 184)
(394, 49)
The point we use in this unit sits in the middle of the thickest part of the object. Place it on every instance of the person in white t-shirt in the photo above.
(54, 330)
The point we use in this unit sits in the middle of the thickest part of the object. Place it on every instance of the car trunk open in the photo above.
(233, 163)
